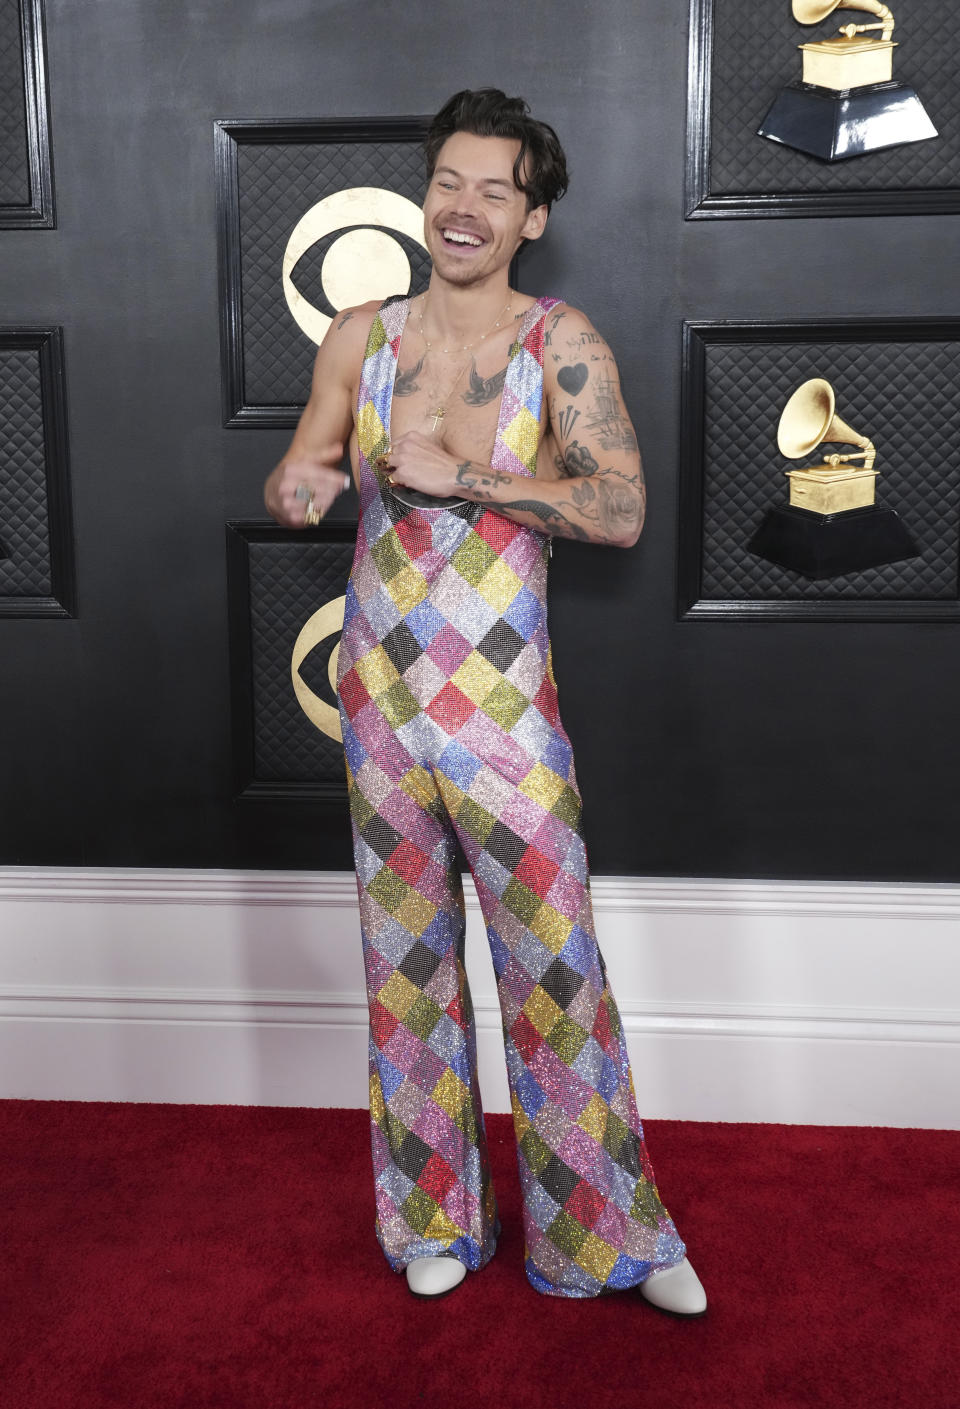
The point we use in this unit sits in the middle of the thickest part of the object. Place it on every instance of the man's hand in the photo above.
(420, 463)
(318, 477)
(314, 457)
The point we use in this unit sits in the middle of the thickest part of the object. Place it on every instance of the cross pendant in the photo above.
(437, 418)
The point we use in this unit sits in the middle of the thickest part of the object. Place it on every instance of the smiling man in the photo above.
(481, 422)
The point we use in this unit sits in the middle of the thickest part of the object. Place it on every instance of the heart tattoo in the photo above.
(573, 379)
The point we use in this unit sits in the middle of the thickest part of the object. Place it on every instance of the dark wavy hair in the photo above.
(540, 170)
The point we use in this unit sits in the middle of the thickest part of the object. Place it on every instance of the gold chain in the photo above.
(440, 412)
(468, 347)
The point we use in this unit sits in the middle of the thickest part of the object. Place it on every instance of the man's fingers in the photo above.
(301, 484)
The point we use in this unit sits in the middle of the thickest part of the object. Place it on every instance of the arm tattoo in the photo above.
(548, 339)
(577, 460)
(607, 421)
(481, 481)
(572, 380)
(613, 503)
(565, 421)
(483, 390)
(345, 319)
(550, 517)
(406, 382)
(617, 507)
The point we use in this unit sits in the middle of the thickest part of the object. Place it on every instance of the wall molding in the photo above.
(623, 894)
(817, 1002)
(78, 1004)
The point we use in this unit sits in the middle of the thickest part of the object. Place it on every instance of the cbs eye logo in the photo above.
(323, 624)
(366, 262)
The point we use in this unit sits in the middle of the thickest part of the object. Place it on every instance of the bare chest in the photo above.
(456, 399)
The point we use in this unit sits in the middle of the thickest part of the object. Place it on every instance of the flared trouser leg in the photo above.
(593, 1219)
(434, 1195)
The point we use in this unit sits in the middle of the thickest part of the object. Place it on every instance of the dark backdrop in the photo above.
(709, 748)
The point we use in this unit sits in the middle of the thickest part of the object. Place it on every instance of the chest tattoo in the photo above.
(483, 390)
(406, 382)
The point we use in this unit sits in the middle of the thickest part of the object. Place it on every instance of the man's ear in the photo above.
(535, 222)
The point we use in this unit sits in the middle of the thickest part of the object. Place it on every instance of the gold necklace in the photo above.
(440, 412)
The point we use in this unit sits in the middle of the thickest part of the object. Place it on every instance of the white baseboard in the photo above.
(759, 1001)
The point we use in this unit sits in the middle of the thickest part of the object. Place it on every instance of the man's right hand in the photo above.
(316, 451)
(320, 477)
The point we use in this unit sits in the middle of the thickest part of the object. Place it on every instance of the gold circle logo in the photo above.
(363, 263)
(325, 622)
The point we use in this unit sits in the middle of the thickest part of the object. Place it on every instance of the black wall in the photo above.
(704, 748)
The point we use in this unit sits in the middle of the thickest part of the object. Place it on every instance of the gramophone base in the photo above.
(830, 545)
(834, 125)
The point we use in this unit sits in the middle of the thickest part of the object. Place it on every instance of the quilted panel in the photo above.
(25, 572)
(278, 183)
(288, 583)
(901, 394)
(14, 165)
(755, 54)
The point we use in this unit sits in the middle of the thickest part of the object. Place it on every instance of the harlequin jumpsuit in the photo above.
(451, 733)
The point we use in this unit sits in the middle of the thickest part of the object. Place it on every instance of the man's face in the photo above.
(474, 217)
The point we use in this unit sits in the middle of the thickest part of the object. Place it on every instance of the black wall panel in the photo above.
(36, 535)
(758, 748)
(737, 381)
(26, 171)
(286, 609)
(14, 161)
(742, 60)
(270, 175)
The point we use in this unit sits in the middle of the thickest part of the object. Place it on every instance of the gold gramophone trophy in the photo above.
(832, 524)
(847, 102)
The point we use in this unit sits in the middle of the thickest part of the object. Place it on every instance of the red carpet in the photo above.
(209, 1257)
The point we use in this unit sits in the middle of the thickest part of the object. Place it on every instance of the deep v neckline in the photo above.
(530, 319)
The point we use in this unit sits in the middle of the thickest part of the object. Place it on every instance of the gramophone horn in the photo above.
(806, 418)
(809, 417)
(813, 11)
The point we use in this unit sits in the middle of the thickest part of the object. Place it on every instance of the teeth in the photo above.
(459, 238)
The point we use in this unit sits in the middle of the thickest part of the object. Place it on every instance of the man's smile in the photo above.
(454, 236)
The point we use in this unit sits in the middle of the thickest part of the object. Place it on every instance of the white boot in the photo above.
(434, 1276)
(676, 1289)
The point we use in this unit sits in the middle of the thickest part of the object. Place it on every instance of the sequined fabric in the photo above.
(451, 732)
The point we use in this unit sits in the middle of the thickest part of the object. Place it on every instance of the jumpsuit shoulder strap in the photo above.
(518, 431)
(378, 374)
(532, 320)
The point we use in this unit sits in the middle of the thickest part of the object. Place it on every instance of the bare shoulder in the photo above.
(565, 316)
(350, 328)
(573, 349)
(340, 355)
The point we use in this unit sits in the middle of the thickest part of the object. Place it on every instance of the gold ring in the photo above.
(312, 515)
(391, 480)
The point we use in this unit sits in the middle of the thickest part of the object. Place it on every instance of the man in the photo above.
(480, 422)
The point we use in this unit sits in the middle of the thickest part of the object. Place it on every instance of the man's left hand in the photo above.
(420, 463)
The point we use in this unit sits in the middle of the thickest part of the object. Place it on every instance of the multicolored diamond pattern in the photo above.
(453, 738)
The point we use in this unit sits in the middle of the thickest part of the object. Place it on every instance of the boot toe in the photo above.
(434, 1276)
(677, 1290)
